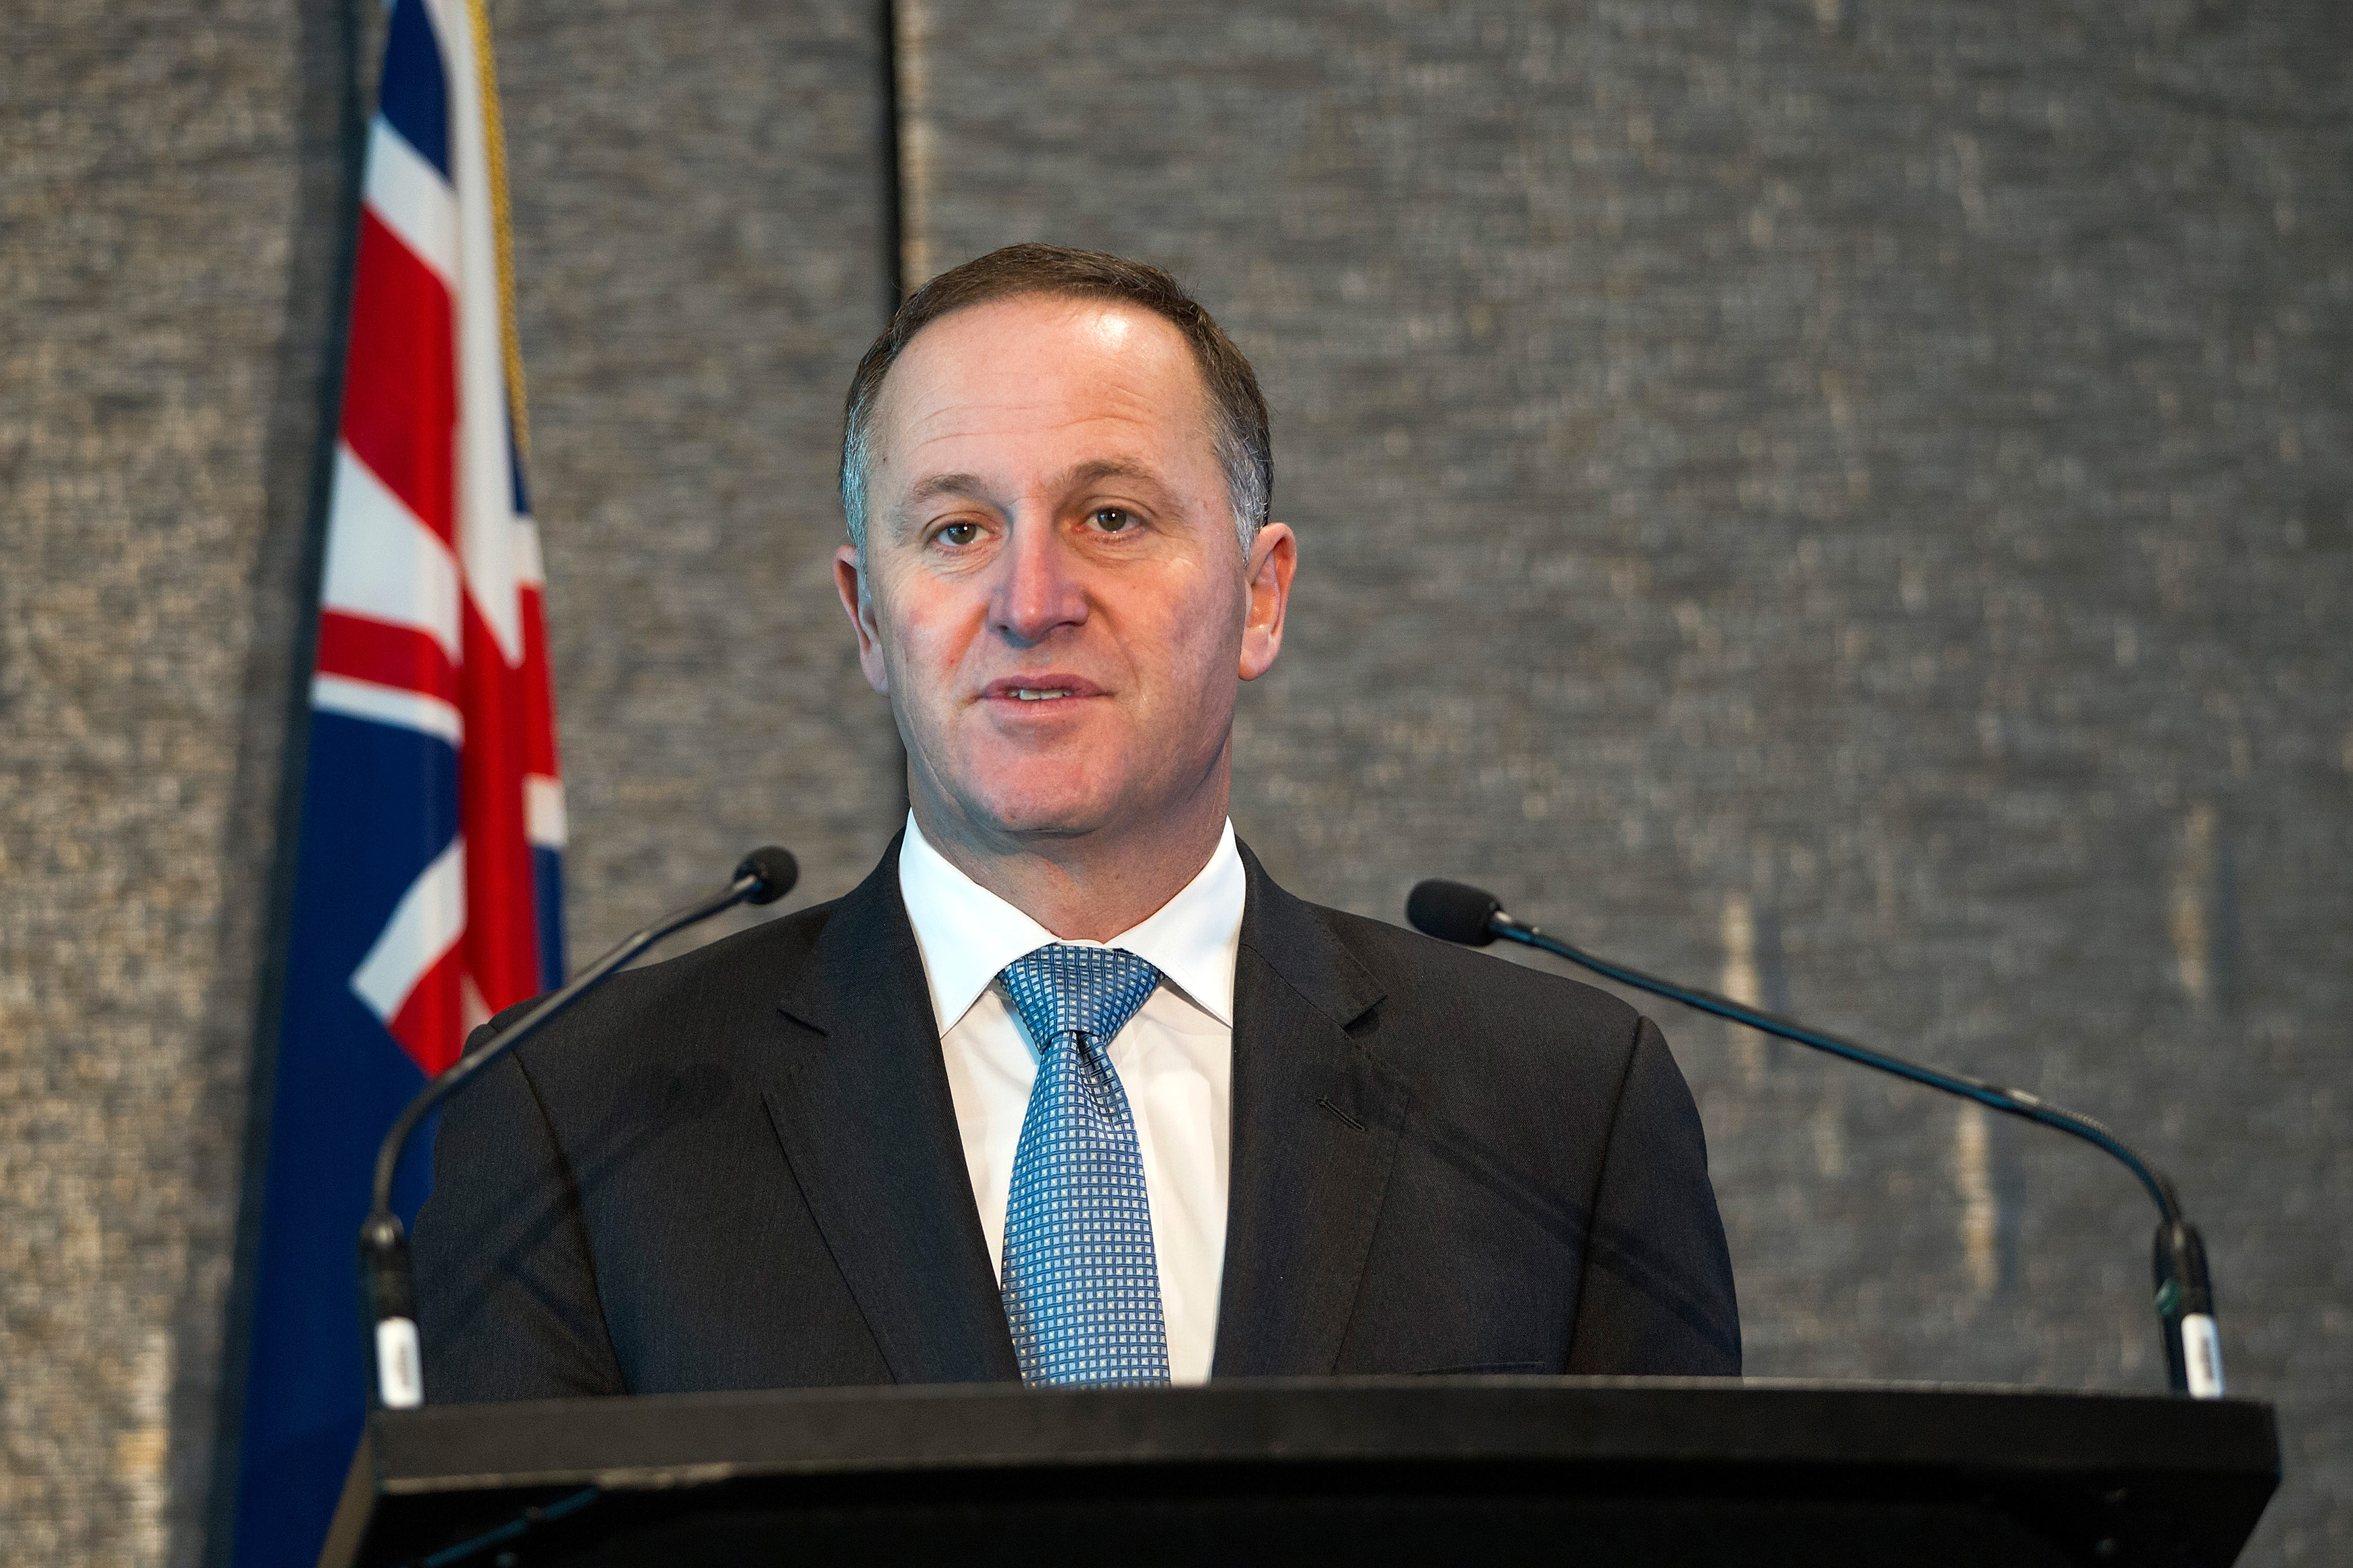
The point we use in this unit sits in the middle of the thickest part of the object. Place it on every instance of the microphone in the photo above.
(387, 1288)
(1452, 911)
(1456, 913)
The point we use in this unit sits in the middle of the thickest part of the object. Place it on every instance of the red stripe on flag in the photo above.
(361, 649)
(400, 383)
(538, 691)
(501, 926)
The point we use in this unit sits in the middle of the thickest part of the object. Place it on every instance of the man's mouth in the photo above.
(1045, 686)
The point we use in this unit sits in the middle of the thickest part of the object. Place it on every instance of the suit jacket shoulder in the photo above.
(1485, 1005)
(735, 1169)
(1542, 1202)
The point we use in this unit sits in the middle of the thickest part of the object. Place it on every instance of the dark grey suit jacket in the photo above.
(741, 1169)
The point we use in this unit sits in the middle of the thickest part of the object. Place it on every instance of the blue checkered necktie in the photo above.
(1081, 1285)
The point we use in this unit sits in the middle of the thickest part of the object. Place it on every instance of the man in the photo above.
(1069, 1091)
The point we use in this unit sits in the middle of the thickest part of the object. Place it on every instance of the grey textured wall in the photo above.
(1849, 502)
(167, 179)
(1843, 501)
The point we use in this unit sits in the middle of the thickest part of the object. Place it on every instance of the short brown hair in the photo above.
(1245, 448)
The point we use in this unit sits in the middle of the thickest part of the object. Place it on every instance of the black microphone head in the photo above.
(1453, 911)
(776, 869)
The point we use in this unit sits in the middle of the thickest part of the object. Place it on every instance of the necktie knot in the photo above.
(1092, 991)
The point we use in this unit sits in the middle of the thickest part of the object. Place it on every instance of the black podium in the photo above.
(1386, 1470)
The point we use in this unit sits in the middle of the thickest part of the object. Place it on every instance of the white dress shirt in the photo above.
(1174, 1059)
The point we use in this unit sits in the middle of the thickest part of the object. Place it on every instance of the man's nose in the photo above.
(1038, 587)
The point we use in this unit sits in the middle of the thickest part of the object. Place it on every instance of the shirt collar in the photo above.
(966, 934)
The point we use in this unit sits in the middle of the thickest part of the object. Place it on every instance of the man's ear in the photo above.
(1274, 555)
(849, 580)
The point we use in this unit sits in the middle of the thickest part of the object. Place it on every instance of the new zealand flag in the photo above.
(430, 879)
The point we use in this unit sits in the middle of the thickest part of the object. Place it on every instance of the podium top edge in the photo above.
(658, 1440)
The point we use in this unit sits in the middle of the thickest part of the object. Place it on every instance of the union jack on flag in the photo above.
(429, 871)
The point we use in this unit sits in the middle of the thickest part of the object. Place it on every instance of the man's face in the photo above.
(1052, 594)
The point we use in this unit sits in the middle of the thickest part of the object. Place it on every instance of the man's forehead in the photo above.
(1033, 357)
(1040, 391)
(1095, 471)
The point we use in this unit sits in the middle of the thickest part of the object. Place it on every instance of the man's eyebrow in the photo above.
(934, 486)
(1111, 469)
(1104, 469)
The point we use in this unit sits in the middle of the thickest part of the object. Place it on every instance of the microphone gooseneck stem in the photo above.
(460, 1072)
(386, 1285)
(2185, 1295)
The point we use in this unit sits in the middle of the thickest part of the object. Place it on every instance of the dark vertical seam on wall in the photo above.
(237, 1338)
(895, 276)
(894, 237)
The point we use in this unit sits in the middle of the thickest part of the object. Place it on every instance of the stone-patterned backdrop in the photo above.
(169, 174)
(1842, 501)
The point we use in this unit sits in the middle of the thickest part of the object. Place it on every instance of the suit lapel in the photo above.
(859, 1095)
(1315, 1127)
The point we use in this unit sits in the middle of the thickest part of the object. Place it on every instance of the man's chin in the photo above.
(1036, 808)
(1046, 819)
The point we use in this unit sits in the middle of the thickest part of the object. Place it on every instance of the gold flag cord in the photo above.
(494, 148)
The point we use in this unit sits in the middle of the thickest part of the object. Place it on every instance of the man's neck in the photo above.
(1083, 888)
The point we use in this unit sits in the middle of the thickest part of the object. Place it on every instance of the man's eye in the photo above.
(1112, 518)
(958, 533)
